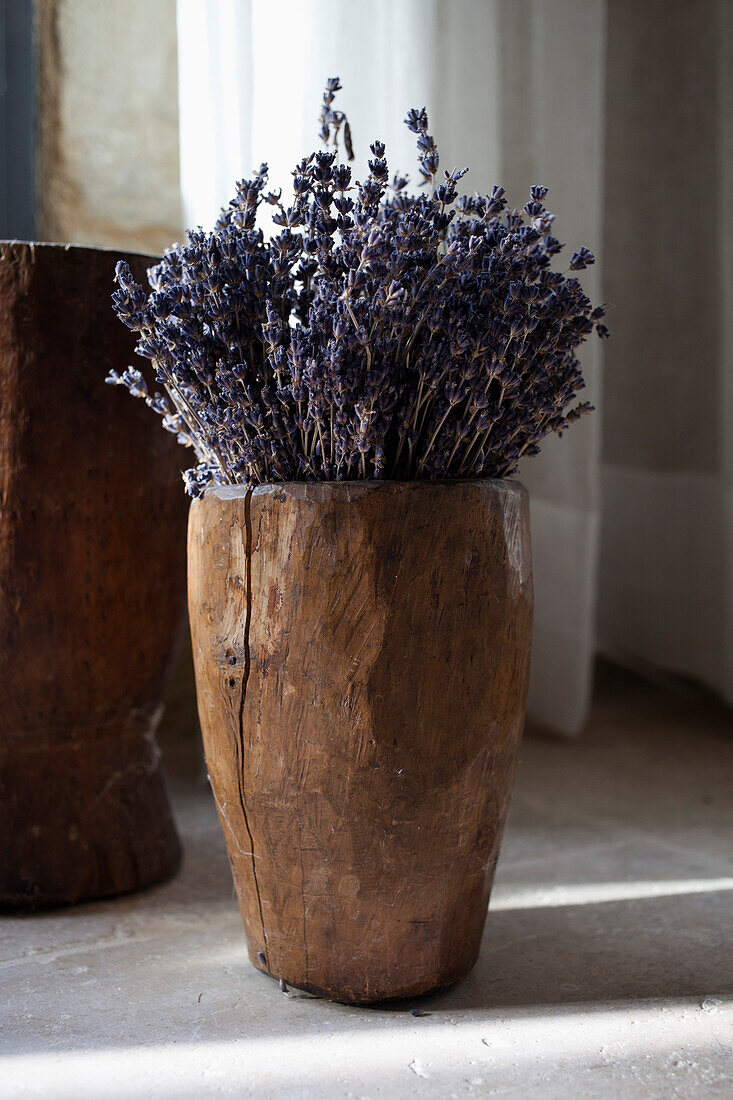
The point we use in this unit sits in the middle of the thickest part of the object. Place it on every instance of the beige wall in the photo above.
(108, 156)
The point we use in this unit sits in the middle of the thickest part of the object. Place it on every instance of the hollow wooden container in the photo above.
(362, 653)
(92, 589)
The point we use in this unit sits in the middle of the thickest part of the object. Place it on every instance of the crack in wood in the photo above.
(242, 700)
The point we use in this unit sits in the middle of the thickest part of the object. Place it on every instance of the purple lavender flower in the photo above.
(376, 334)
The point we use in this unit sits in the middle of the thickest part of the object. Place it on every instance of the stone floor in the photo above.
(606, 969)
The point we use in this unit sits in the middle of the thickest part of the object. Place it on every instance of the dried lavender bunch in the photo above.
(376, 334)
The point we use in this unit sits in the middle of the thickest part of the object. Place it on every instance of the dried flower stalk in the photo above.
(377, 334)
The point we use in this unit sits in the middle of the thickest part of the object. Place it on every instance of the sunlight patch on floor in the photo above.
(596, 893)
(399, 1048)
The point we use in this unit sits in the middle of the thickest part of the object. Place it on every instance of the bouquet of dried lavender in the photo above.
(377, 334)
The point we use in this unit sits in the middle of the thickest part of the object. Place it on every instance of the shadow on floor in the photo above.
(169, 964)
(676, 946)
(662, 949)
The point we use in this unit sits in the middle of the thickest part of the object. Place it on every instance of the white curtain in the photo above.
(667, 536)
(558, 92)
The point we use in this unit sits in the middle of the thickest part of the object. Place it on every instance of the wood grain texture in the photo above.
(361, 657)
(92, 588)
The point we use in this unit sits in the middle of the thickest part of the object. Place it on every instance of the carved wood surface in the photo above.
(92, 588)
(361, 656)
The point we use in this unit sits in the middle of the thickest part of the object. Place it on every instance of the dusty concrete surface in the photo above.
(606, 968)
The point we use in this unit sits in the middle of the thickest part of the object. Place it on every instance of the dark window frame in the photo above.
(17, 120)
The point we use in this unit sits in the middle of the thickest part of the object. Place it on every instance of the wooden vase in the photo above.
(362, 653)
(92, 588)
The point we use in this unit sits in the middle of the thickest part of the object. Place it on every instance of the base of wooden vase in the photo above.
(83, 818)
(342, 994)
